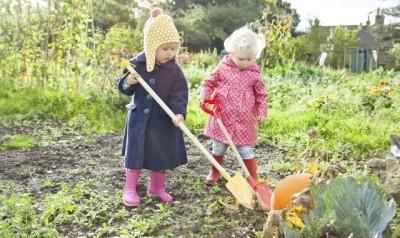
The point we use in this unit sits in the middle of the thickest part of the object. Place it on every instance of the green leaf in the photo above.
(289, 232)
(359, 208)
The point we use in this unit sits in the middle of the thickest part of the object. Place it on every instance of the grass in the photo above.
(282, 166)
(19, 142)
(87, 113)
(337, 134)
(70, 205)
(353, 115)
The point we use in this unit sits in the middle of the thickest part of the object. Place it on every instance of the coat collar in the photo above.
(227, 60)
(141, 57)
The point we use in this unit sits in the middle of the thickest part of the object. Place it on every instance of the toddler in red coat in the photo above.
(237, 86)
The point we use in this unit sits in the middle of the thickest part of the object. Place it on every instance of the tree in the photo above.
(108, 13)
(301, 49)
(193, 26)
(395, 52)
(276, 24)
(206, 26)
(285, 6)
(339, 40)
(392, 30)
(392, 11)
(307, 47)
(316, 37)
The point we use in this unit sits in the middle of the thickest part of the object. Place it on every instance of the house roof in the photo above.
(350, 27)
(366, 39)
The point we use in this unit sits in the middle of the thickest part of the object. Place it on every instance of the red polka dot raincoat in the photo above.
(241, 96)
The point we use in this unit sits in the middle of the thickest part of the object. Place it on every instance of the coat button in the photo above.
(149, 97)
(146, 111)
(152, 81)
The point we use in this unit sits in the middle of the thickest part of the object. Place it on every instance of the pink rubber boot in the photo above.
(156, 186)
(130, 196)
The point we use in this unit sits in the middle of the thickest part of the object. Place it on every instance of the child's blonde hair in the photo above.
(245, 39)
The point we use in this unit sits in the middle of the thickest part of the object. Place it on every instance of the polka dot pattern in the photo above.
(157, 31)
(242, 98)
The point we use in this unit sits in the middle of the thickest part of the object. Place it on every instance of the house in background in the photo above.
(364, 56)
(373, 47)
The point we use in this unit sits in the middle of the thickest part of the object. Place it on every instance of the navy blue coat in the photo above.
(151, 141)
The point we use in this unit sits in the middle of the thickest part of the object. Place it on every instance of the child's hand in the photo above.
(132, 79)
(178, 118)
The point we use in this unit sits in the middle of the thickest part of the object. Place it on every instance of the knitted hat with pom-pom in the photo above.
(158, 29)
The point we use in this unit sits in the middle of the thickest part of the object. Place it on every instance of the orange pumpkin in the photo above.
(287, 187)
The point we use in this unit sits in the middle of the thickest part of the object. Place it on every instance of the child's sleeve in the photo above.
(123, 87)
(209, 85)
(178, 97)
(260, 95)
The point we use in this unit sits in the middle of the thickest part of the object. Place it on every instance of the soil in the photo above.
(94, 161)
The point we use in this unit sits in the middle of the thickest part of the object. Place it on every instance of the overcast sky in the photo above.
(339, 12)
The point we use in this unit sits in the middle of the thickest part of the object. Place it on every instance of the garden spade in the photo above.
(262, 190)
(237, 184)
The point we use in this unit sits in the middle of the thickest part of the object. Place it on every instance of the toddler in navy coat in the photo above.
(151, 139)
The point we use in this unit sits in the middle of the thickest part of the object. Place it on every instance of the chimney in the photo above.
(379, 19)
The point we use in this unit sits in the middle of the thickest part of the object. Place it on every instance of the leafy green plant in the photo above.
(79, 122)
(348, 207)
(146, 225)
(395, 52)
(198, 187)
(196, 75)
(48, 183)
(121, 41)
(20, 142)
(195, 118)
(331, 103)
(143, 226)
(216, 188)
(282, 166)
(212, 224)
(204, 59)
(87, 113)
(19, 218)
(58, 208)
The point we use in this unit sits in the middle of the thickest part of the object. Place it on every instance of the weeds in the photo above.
(352, 115)
(87, 113)
(282, 166)
(20, 142)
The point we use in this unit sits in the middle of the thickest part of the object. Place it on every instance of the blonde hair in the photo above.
(245, 39)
